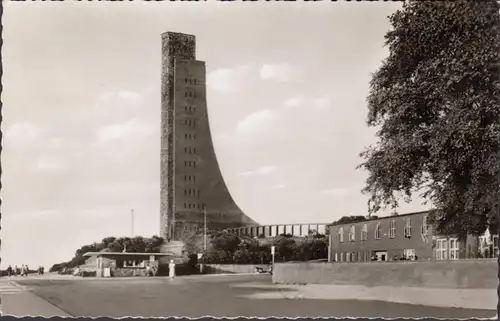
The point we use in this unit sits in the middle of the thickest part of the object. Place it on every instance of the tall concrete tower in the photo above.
(190, 176)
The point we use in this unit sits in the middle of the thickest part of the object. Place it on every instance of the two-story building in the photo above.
(407, 236)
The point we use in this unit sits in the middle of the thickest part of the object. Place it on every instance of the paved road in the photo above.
(210, 295)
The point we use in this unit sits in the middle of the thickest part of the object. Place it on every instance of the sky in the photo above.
(287, 86)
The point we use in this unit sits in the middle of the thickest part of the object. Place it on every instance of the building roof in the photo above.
(379, 218)
(88, 254)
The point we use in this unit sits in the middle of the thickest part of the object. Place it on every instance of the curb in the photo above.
(217, 274)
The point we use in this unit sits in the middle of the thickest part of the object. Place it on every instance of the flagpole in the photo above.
(132, 222)
(205, 228)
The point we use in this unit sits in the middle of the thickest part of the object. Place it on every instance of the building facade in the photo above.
(191, 181)
(407, 236)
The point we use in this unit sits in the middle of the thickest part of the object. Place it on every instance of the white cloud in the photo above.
(114, 189)
(96, 213)
(227, 80)
(51, 164)
(279, 186)
(126, 96)
(126, 130)
(30, 214)
(336, 192)
(130, 96)
(261, 171)
(321, 102)
(293, 102)
(56, 142)
(279, 72)
(260, 121)
(21, 133)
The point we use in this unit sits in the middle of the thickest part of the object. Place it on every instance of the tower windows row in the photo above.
(190, 164)
(191, 192)
(189, 109)
(190, 136)
(190, 150)
(199, 206)
(189, 178)
(191, 81)
(190, 94)
(190, 122)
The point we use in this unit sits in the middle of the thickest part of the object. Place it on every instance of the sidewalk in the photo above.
(24, 303)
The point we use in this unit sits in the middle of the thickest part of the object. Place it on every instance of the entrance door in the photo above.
(381, 255)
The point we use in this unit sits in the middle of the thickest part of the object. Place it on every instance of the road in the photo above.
(201, 296)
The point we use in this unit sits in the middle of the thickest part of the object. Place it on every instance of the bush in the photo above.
(227, 249)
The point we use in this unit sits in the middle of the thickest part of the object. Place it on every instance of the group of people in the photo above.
(23, 270)
(15, 271)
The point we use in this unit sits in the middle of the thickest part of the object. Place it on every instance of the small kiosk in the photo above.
(124, 264)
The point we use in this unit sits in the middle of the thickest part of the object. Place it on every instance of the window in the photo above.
(341, 257)
(408, 228)
(352, 234)
(340, 234)
(409, 254)
(441, 249)
(364, 232)
(353, 257)
(425, 226)
(392, 229)
(495, 246)
(336, 257)
(454, 249)
(378, 231)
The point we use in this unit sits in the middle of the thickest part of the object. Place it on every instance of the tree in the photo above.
(435, 103)
(351, 219)
(113, 244)
(286, 248)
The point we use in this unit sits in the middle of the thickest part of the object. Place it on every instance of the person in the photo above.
(27, 270)
(9, 271)
(148, 270)
(171, 269)
(16, 270)
(154, 269)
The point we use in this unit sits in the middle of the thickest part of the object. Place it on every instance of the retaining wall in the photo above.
(460, 274)
(232, 268)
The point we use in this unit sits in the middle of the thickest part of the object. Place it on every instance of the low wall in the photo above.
(460, 274)
(129, 272)
(232, 268)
